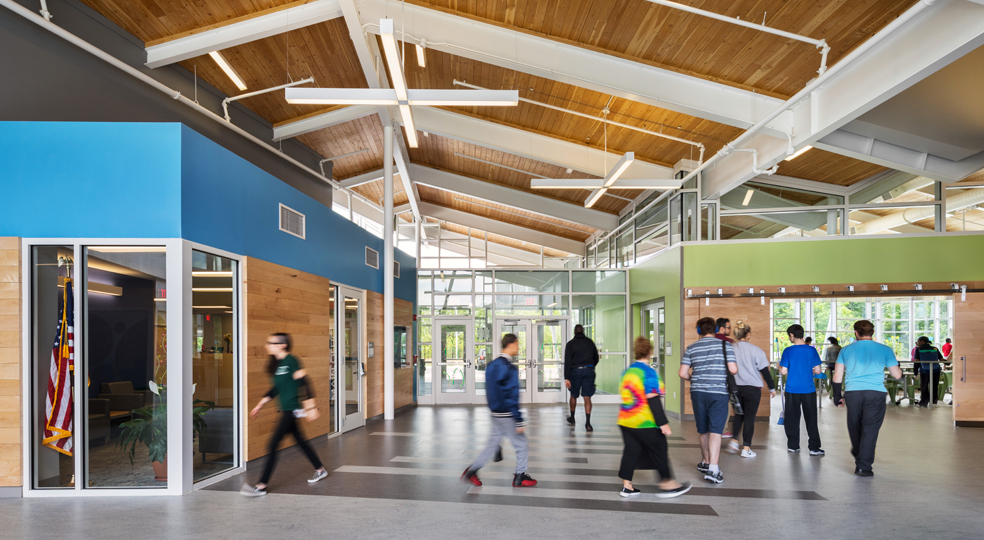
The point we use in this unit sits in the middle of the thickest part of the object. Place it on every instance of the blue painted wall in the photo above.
(84, 179)
(228, 203)
(164, 180)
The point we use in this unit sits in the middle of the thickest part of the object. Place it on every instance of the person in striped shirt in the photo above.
(706, 364)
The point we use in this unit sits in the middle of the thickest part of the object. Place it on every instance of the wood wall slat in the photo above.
(10, 364)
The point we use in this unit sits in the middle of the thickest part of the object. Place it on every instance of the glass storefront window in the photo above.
(532, 305)
(53, 463)
(125, 366)
(452, 281)
(452, 304)
(623, 250)
(755, 195)
(600, 281)
(603, 318)
(215, 339)
(896, 188)
(531, 282)
(780, 224)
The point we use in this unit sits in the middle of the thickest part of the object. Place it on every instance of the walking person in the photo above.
(863, 364)
(706, 363)
(753, 368)
(502, 392)
(292, 388)
(830, 354)
(644, 425)
(928, 358)
(723, 332)
(580, 359)
(947, 349)
(799, 363)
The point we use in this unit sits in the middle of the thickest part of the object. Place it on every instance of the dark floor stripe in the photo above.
(609, 506)
(699, 491)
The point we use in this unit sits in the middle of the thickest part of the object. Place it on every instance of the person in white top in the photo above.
(753, 367)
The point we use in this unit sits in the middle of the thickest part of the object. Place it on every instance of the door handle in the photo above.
(963, 378)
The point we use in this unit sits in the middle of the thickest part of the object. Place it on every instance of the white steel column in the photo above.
(180, 451)
(388, 273)
(417, 229)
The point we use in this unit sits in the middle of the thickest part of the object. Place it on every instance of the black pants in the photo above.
(865, 413)
(287, 424)
(645, 448)
(924, 387)
(750, 397)
(807, 403)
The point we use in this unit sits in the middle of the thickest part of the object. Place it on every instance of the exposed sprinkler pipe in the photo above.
(44, 10)
(154, 83)
(819, 81)
(755, 168)
(226, 101)
(590, 117)
(818, 43)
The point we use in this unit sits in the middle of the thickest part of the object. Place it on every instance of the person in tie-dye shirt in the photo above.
(644, 425)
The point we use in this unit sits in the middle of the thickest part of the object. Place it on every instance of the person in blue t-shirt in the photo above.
(864, 362)
(799, 363)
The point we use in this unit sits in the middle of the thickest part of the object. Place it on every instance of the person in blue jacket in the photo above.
(502, 392)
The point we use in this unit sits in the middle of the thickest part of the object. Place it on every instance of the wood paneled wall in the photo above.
(402, 378)
(279, 299)
(749, 310)
(968, 395)
(10, 363)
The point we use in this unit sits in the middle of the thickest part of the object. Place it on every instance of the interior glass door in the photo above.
(548, 361)
(522, 360)
(455, 366)
(352, 361)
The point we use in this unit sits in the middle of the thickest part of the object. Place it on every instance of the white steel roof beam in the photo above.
(578, 66)
(508, 230)
(322, 121)
(367, 50)
(513, 198)
(908, 52)
(253, 29)
(531, 145)
(364, 178)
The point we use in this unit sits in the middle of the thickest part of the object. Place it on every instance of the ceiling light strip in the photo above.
(227, 68)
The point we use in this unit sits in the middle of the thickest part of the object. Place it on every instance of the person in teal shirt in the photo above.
(864, 363)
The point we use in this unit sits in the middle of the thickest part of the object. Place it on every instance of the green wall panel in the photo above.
(651, 280)
(807, 262)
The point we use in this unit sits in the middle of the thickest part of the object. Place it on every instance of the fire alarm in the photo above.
(414, 316)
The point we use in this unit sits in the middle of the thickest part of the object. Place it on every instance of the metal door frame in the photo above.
(531, 394)
(348, 422)
(453, 398)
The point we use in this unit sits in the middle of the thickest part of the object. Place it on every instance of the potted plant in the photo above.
(149, 427)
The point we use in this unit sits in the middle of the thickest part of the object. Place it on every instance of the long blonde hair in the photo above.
(741, 330)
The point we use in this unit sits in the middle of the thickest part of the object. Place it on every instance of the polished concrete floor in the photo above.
(399, 479)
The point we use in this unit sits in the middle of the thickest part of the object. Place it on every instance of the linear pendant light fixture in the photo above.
(611, 181)
(400, 95)
(227, 68)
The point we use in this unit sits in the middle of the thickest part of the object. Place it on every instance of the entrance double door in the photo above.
(459, 376)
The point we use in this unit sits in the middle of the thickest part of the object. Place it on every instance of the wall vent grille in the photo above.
(292, 221)
(372, 258)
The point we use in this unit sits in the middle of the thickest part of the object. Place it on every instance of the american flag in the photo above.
(59, 404)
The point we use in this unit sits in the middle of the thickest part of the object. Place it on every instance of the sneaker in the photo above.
(498, 455)
(318, 475)
(703, 467)
(670, 493)
(626, 492)
(716, 478)
(523, 480)
(570, 419)
(587, 427)
(734, 446)
(727, 435)
(817, 453)
(252, 491)
(748, 453)
(471, 477)
(868, 474)
(793, 450)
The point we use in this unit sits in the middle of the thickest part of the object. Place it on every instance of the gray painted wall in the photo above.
(45, 78)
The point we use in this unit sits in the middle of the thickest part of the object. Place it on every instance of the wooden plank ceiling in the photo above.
(635, 29)
(696, 45)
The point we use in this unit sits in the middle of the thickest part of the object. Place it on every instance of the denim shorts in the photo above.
(710, 411)
(582, 382)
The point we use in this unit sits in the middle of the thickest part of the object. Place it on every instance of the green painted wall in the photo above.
(651, 280)
(808, 262)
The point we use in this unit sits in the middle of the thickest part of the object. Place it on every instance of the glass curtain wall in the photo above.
(596, 299)
(898, 321)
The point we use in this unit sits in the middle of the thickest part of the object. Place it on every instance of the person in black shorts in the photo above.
(580, 359)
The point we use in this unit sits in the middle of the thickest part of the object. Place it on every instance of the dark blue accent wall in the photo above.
(164, 180)
(83, 179)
